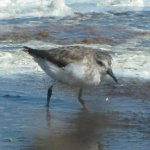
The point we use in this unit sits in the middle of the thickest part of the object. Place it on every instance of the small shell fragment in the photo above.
(107, 99)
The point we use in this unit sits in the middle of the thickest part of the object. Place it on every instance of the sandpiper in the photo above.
(73, 65)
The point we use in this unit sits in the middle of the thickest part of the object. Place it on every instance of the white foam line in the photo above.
(128, 64)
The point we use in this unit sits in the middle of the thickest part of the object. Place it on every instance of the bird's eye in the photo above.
(100, 62)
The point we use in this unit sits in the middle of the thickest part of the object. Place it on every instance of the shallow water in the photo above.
(118, 116)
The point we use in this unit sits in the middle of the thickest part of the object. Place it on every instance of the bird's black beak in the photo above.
(109, 71)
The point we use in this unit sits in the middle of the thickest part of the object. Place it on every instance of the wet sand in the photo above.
(118, 117)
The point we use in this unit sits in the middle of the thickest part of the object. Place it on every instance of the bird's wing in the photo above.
(61, 56)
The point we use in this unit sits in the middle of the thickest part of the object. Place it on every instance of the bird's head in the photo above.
(104, 61)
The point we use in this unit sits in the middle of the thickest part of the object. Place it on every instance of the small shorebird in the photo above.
(73, 65)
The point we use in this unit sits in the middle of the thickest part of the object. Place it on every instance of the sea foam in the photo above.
(126, 64)
(29, 8)
(61, 8)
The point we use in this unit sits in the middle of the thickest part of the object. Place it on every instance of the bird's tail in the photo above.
(27, 49)
(34, 52)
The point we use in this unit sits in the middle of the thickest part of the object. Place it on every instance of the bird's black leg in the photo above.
(80, 99)
(49, 94)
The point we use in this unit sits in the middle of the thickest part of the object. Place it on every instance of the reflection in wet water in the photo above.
(85, 130)
(82, 134)
(122, 121)
(106, 125)
(48, 117)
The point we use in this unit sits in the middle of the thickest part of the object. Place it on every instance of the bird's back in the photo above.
(62, 56)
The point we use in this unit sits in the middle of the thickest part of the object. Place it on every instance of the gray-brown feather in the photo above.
(63, 56)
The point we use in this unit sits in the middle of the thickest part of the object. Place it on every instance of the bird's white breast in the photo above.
(83, 73)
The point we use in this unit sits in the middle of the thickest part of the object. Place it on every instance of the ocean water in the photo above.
(118, 116)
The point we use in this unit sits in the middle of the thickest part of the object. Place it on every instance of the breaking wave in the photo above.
(61, 8)
(131, 64)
